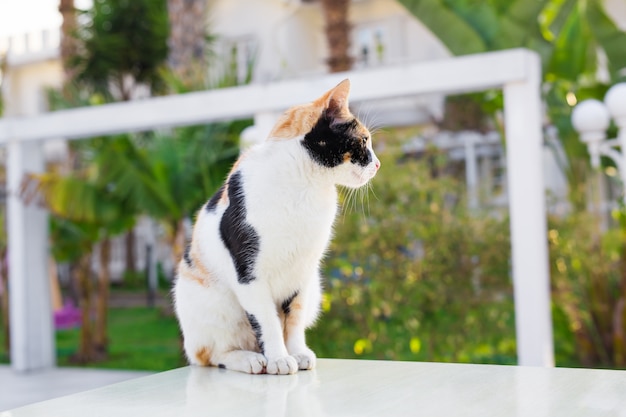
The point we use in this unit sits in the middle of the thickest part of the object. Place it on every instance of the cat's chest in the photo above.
(294, 217)
(294, 210)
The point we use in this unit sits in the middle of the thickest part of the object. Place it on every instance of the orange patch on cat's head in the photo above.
(299, 120)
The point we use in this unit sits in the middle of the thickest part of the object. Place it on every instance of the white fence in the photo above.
(517, 72)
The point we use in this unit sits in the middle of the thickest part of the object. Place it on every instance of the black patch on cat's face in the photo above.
(286, 305)
(258, 332)
(221, 366)
(241, 240)
(332, 144)
(186, 256)
(212, 203)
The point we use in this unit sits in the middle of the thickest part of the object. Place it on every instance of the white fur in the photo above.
(291, 202)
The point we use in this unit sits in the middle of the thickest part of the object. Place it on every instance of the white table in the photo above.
(354, 388)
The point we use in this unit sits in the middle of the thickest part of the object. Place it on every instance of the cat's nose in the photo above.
(377, 163)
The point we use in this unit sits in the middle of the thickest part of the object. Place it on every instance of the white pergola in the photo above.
(517, 72)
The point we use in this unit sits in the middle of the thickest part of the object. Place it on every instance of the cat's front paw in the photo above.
(282, 366)
(306, 360)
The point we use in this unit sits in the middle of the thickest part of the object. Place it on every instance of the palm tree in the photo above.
(337, 34)
(122, 46)
(73, 242)
(171, 175)
(187, 40)
(68, 37)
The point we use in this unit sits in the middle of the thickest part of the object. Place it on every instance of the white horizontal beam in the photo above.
(462, 74)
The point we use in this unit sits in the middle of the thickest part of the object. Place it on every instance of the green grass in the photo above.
(141, 338)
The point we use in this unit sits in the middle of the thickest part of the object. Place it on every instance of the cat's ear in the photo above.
(338, 98)
(336, 101)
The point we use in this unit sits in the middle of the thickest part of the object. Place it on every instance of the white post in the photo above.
(533, 320)
(470, 139)
(257, 133)
(32, 330)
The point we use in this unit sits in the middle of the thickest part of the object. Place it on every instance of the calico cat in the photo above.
(249, 284)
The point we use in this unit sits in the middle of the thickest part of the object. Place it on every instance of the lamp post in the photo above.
(591, 118)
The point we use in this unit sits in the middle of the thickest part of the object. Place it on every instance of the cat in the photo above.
(248, 284)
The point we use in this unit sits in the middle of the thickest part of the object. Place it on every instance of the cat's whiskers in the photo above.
(354, 196)
(347, 201)
(363, 192)
(370, 119)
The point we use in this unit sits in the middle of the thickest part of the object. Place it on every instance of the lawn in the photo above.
(141, 338)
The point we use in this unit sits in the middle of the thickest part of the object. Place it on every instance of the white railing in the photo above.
(516, 72)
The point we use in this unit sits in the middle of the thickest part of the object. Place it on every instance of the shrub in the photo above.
(413, 274)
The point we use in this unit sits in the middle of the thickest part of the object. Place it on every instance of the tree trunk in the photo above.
(101, 340)
(4, 302)
(131, 253)
(69, 44)
(337, 34)
(82, 272)
(187, 40)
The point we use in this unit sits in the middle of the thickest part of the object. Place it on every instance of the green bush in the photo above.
(414, 275)
(588, 270)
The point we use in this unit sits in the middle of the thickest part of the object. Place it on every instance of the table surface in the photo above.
(354, 388)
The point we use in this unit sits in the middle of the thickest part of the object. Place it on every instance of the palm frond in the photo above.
(70, 197)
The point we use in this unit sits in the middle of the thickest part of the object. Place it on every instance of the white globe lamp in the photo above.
(591, 119)
(615, 100)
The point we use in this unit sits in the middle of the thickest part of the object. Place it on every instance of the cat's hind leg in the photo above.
(242, 361)
(236, 360)
(219, 352)
(215, 329)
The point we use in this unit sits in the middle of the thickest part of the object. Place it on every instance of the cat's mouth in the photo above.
(361, 177)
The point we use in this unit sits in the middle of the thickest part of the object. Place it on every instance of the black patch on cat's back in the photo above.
(286, 305)
(258, 332)
(330, 144)
(239, 237)
(212, 203)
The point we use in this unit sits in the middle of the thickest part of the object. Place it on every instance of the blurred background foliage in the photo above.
(412, 273)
